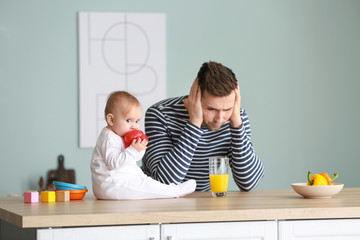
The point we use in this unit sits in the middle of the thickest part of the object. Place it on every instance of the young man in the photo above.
(184, 132)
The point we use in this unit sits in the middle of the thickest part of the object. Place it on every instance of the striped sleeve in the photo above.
(168, 161)
(246, 166)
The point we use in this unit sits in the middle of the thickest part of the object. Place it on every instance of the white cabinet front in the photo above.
(137, 232)
(258, 230)
(345, 229)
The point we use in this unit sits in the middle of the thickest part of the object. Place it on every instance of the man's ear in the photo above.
(110, 119)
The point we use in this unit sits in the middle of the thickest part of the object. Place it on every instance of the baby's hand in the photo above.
(139, 144)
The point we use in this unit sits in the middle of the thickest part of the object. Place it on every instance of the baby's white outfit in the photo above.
(115, 174)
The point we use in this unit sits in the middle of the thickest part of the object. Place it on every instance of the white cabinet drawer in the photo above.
(258, 230)
(137, 232)
(343, 229)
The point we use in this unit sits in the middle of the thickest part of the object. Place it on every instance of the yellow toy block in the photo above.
(48, 196)
(62, 196)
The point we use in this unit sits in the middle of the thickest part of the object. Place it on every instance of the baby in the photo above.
(115, 174)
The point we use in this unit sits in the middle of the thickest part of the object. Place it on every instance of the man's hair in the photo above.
(216, 79)
(120, 99)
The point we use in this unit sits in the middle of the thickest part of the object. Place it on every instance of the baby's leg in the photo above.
(147, 188)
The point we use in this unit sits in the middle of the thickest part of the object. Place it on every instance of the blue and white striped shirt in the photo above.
(178, 150)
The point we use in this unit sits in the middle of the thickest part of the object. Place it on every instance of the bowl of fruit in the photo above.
(318, 186)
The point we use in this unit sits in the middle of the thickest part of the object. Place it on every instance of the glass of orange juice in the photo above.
(219, 175)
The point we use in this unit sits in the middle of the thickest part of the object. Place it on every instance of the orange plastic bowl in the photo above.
(77, 194)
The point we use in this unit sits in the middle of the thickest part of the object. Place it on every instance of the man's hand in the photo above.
(235, 119)
(193, 104)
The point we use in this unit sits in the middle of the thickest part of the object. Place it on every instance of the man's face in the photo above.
(216, 110)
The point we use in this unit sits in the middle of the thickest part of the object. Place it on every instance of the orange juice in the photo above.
(219, 182)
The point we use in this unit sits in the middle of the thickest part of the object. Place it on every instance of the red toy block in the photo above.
(31, 196)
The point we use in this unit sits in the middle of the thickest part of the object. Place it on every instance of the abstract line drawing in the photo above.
(118, 51)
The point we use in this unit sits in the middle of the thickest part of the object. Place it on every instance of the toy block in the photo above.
(31, 196)
(62, 196)
(48, 196)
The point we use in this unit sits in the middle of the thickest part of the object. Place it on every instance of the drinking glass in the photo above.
(219, 175)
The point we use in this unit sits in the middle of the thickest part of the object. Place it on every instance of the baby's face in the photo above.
(125, 122)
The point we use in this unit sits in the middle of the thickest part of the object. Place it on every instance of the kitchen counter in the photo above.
(196, 207)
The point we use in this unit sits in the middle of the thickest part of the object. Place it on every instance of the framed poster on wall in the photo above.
(118, 51)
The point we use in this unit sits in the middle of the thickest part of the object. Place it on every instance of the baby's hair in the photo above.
(121, 99)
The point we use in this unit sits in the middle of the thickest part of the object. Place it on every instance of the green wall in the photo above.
(298, 64)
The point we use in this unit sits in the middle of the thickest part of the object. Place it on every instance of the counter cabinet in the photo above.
(264, 230)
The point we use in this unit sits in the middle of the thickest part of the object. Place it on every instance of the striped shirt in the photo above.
(178, 150)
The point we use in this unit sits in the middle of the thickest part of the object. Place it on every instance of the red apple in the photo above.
(135, 134)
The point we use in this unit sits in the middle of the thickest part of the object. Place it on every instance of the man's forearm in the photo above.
(246, 166)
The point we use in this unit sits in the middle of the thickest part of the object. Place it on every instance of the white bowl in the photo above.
(317, 191)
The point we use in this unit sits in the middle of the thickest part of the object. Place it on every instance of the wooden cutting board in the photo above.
(60, 174)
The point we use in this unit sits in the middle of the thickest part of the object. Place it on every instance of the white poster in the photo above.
(118, 51)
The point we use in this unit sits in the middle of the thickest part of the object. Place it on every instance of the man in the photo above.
(184, 132)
